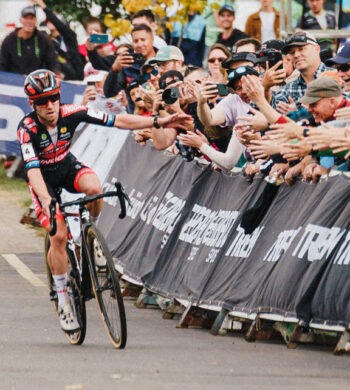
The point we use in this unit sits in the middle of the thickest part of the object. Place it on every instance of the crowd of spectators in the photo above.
(279, 108)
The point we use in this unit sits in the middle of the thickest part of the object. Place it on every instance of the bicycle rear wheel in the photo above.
(107, 291)
(74, 292)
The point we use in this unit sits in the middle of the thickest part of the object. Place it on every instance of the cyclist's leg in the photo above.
(88, 182)
(57, 259)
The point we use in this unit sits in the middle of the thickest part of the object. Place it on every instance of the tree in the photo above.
(79, 10)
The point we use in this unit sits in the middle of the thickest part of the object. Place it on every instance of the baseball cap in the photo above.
(241, 56)
(299, 39)
(92, 74)
(342, 56)
(228, 8)
(235, 74)
(167, 53)
(29, 10)
(321, 88)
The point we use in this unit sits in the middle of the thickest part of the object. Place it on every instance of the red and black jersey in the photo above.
(37, 147)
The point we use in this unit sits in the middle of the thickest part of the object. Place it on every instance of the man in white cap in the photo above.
(27, 49)
(169, 58)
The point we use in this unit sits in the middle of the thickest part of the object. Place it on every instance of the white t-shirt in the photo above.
(322, 21)
(267, 23)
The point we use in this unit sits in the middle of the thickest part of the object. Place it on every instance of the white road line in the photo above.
(23, 270)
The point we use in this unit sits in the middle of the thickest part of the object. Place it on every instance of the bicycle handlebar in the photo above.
(120, 193)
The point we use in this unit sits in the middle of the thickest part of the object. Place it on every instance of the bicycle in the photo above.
(91, 271)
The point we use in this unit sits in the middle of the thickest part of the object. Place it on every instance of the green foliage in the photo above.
(79, 10)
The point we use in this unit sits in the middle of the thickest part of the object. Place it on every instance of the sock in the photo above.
(94, 219)
(61, 287)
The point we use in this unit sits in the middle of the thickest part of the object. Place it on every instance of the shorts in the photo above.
(64, 175)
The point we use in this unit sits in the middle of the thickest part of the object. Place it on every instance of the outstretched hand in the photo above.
(176, 121)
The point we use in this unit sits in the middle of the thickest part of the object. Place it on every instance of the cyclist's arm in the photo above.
(39, 187)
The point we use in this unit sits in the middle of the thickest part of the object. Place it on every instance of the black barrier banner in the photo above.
(191, 234)
(213, 209)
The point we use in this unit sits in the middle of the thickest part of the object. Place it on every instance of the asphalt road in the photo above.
(34, 353)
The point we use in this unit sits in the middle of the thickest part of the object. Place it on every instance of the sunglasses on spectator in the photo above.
(299, 39)
(343, 67)
(147, 75)
(241, 71)
(44, 101)
(220, 59)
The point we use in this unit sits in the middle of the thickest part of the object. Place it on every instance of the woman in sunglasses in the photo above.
(216, 55)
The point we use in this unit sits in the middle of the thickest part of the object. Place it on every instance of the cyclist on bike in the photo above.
(45, 136)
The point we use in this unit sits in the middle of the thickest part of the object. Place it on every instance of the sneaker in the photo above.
(68, 320)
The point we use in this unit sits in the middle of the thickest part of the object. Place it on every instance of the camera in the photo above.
(271, 56)
(137, 57)
(170, 95)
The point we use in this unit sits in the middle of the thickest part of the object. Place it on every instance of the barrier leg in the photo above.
(216, 328)
(343, 344)
(145, 299)
(252, 331)
(186, 317)
(172, 310)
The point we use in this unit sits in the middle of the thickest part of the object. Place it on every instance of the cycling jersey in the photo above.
(37, 148)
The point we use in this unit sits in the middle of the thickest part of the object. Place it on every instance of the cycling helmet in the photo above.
(40, 83)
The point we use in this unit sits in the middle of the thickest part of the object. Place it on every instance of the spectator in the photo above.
(193, 38)
(150, 73)
(341, 62)
(216, 55)
(251, 45)
(102, 62)
(212, 29)
(65, 43)
(264, 25)
(169, 58)
(317, 18)
(323, 97)
(146, 16)
(93, 25)
(305, 54)
(27, 49)
(229, 35)
(124, 69)
(240, 59)
(95, 80)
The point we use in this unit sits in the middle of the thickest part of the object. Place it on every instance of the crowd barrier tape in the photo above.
(14, 105)
(222, 241)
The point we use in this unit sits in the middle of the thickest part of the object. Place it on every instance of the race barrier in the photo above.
(249, 249)
(14, 105)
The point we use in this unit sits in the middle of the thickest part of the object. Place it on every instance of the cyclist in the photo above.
(45, 136)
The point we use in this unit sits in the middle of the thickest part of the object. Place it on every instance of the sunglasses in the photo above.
(299, 38)
(240, 71)
(44, 101)
(343, 67)
(220, 59)
(147, 76)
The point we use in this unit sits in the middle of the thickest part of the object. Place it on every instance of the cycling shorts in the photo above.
(65, 175)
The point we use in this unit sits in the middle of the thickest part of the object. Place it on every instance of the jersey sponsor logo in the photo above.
(44, 137)
(96, 114)
(28, 121)
(63, 129)
(27, 151)
(69, 109)
(54, 160)
(23, 136)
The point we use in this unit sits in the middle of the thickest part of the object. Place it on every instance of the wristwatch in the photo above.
(155, 122)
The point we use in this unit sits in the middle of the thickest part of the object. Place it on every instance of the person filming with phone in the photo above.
(127, 65)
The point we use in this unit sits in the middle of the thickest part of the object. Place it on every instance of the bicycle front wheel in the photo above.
(106, 288)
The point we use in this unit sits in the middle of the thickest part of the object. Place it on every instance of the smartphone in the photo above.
(222, 89)
(91, 84)
(99, 38)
